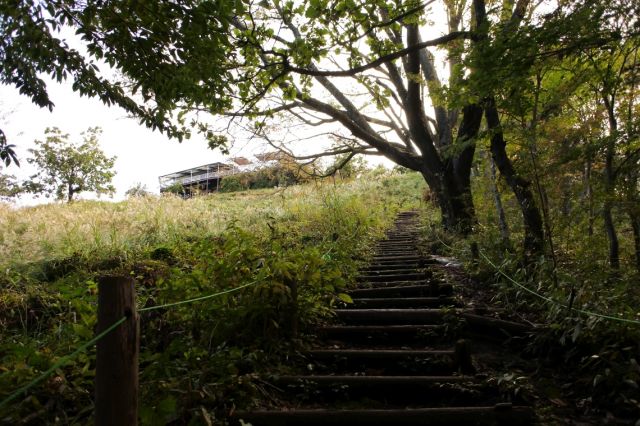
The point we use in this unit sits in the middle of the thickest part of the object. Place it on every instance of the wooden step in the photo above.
(402, 291)
(410, 316)
(402, 264)
(375, 333)
(391, 271)
(393, 246)
(405, 276)
(383, 258)
(445, 390)
(500, 414)
(385, 354)
(381, 284)
(394, 316)
(384, 361)
(403, 302)
(397, 241)
(395, 250)
(391, 267)
(368, 381)
(395, 253)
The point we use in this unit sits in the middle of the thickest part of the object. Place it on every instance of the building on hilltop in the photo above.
(208, 177)
(201, 179)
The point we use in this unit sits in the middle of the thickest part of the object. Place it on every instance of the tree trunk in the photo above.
(633, 211)
(588, 194)
(534, 235)
(497, 200)
(457, 215)
(70, 193)
(612, 236)
(609, 189)
(635, 226)
(462, 163)
(565, 185)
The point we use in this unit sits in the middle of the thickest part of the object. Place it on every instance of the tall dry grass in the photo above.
(103, 229)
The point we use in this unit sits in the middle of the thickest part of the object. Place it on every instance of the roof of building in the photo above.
(271, 156)
(196, 170)
(241, 161)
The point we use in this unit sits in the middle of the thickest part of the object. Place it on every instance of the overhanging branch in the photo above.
(381, 60)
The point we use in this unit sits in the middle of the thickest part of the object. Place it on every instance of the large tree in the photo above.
(66, 169)
(394, 81)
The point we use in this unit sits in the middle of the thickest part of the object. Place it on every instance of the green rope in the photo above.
(60, 363)
(198, 299)
(564, 305)
(93, 341)
(545, 298)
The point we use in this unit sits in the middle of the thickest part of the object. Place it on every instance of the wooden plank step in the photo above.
(391, 331)
(399, 244)
(477, 323)
(403, 302)
(394, 260)
(425, 283)
(399, 260)
(392, 267)
(359, 381)
(393, 316)
(501, 414)
(395, 248)
(405, 276)
(403, 291)
(417, 263)
(377, 272)
(378, 258)
(407, 389)
(396, 252)
(378, 353)
(384, 361)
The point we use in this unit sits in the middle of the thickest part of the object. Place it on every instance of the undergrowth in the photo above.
(596, 358)
(198, 362)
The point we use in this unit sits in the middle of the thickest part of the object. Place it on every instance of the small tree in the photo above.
(138, 190)
(347, 166)
(67, 168)
(9, 188)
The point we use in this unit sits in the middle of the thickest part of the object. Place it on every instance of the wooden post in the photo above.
(117, 354)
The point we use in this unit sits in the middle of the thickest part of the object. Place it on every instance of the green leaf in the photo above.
(345, 298)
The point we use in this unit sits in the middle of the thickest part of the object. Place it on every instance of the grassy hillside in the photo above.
(195, 359)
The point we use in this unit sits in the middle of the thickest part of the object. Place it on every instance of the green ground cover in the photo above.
(196, 361)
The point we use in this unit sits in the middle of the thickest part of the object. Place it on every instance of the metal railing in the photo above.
(186, 180)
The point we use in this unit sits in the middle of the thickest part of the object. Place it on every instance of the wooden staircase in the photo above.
(395, 356)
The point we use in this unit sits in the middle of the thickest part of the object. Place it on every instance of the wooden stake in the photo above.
(117, 354)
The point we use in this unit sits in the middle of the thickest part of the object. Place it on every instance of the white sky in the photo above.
(142, 154)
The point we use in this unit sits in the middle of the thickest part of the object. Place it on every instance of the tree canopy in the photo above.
(172, 54)
(417, 82)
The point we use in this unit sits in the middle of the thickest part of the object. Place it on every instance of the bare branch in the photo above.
(457, 35)
(270, 111)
